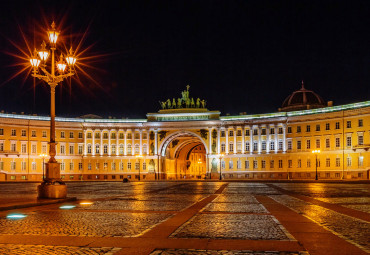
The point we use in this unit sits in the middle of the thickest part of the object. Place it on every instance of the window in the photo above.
(348, 124)
(231, 133)
(289, 130)
(137, 148)
(89, 166)
(62, 149)
(137, 135)
(290, 163)
(222, 147)
(33, 133)
(247, 147)
(105, 135)
(113, 166)
(247, 132)
(43, 133)
(105, 165)
(349, 161)
(231, 164)
(223, 164)
(121, 166)
(97, 166)
(280, 130)
(255, 164)
(328, 162)
(80, 166)
(71, 135)
(238, 164)
(255, 146)
(23, 165)
(263, 131)
(129, 136)
(337, 162)
(144, 165)
(280, 145)
(327, 142)
(327, 175)
(246, 164)
(71, 149)
(113, 149)
(299, 165)
(272, 131)
(337, 175)
(80, 149)
(121, 149)
(14, 132)
(33, 149)
(113, 135)
(120, 135)
(263, 145)
(360, 139)
(34, 166)
(318, 127)
(80, 135)
(13, 165)
(23, 148)
(308, 144)
(23, 133)
(308, 128)
(97, 148)
(360, 123)
(1, 131)
(129, 149)
(289, 145)
(1, 165)
(89, 135)
(337, 125)
(89, 148)
(361, 161)
(255, 131)
(1, 146)
(71, 166)
(327, 126)
(97, 135)
(239, 147)
(317, 143)
(239, 133)
(62, 134)
(308, 163)
(349, 141)
(337, 142)
(263, 164)
(280, 163)
(272, 145)
(129, 165)
(145, 136)
(298, 129)
(105, 149)
(299, 145)
(13, 147)
(145, 147)
(272, 163)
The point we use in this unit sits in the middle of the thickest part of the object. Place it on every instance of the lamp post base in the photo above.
(52, 190)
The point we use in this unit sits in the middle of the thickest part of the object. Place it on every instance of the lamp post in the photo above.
(316, 152)
(139, 156)
(43, 156)
(221, 157)
(52, 186)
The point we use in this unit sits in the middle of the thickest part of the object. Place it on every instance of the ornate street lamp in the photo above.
(220, 156)
(52, 186)
(316, 152)
(139, 156)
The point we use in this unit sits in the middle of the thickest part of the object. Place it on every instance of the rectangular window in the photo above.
(318, 127)
(272, 163)
(120, 135)
(298, 129)
(280, 163)
(144, 166)
(308, 145)
(317, 143)
(349, 141)
(263, 164)
(337, 162)
(1, 146)
(80, 149)
(222, 133)
(97, 166)
(337, 125)
(308, 163)
(1, 131)
(105, 135)
(246, 164)
(71, 135)
(89, 166)
(327, 126)
(137, 166)
(129, 165)
(1, 165)
(89, 135)
(80, 135)
(14, 132)
(62, 166)
(105, 165)
(280, 130)
(34, 166)
(121, 166)
(13, 165)
(247, 148)
(23, 133)
(43, 148)
(33, 149)
(80, 166)
(13, 147)
(337, 142)
(71, 149)
(71, 166)
(327, 143)
(299, 165)
(299, 145)
(289, 130)
(255, 164)
(239, 133)
(113, 135)
(289, 145)
(349, 161)
(263, 131)
(290, 163)
(33, 133)
(280, 145)
(263, 145)
(62, 149)
(328, 162)
(24, 165)
(247, 132)
(361, 161)
(272, 145)
(349, 124)
(360, 139)
(308, 128)
(255, 131)
(231, 133)
(272, 131)
(23, 148)
(360, 123)
(255, 146)
(62, 134)
(231, 147)
(44, 134)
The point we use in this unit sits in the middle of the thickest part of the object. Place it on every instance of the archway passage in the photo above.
(185, 158)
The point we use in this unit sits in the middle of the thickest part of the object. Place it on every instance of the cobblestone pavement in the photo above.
(232, 226)
(220, 214)
(14, 249)
(221, 252)
(352, 229)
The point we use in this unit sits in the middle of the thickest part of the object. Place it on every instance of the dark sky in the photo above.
(240, 56)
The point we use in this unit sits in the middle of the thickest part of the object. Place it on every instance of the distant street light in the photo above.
(316, 152)
(52, 186)
(220, 156)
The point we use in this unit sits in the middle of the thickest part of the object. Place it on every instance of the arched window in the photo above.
(223, 147)
(145, 148)
(89, 148)
(129, 148)
(97, 148)
(137, 148)
(231, 164)
(121, 149)
(105, 149)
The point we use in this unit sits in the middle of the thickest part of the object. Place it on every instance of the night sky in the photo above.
(240, 56)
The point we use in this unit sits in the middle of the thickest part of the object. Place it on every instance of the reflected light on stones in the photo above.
(86, 203)
(15, 216)
(67, 207)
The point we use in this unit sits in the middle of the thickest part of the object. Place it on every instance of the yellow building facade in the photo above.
(185, 140)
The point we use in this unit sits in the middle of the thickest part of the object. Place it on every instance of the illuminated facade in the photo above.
(184, 141)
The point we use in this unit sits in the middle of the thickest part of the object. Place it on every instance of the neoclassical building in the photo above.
(185, 140)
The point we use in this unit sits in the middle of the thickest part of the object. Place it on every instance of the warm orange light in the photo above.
(43, 53)
(53, 35)
(34, 60)
(71, 59)
(316, 151)
(61, 64)
(86, 203)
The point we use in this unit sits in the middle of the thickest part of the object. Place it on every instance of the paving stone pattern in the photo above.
(235, 207)
(15, 249)
(221, 252)
(232, 226)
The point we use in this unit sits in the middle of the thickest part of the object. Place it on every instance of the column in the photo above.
(251, 139)
(141, 142)
(117, 144)
(125, 142)
(101, 143)
(147, 142)
(109, 142)
(284, 138)
(218, 141)
(259, 140)
(243, 139)
(85, 141)
(234, 130)
(156, 142)
(227, 141)
(276, 139)
(209, 140)
(133, 142)
(267, 139)
(93, 143)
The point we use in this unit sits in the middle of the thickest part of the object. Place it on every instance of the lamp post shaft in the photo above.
(316, 169)
(220, 169)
